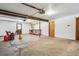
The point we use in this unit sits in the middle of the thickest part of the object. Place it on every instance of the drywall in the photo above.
(65, 27)
(7, 26)
(11, 26)
(44, 28)
(25, 28)
(36, 26)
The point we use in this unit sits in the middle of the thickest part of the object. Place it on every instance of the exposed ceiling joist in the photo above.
(41, 11)
(5, 12)
(30, 6)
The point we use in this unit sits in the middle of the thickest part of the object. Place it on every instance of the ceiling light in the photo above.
(50, 12)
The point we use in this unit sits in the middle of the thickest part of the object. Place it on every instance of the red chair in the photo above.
(6, 37)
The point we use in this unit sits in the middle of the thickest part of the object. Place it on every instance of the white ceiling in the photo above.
(61, 9)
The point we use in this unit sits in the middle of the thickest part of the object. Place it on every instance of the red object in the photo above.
(6, 37)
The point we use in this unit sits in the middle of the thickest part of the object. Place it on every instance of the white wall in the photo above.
(5, 25)
(62, 29)
(26, 28)
(44, 28)
(36, 26)
(11, 26)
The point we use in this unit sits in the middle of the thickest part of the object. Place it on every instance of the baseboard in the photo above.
(1, 36)
(65, 38)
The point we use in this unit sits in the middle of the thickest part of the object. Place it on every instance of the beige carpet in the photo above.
(42, 46)
(53, 47)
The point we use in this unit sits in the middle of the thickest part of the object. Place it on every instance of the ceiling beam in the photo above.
(10, 13)
(30, 6)
(41, 11)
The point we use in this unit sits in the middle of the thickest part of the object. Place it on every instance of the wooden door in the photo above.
(51, 29)
(77, 28)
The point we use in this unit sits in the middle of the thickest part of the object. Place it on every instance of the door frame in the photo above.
(76, 29)
(53, 29)
(17, 26)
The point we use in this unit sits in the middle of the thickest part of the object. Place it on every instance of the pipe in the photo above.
(31, 6)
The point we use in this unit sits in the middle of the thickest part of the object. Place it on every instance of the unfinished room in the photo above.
(39, 29)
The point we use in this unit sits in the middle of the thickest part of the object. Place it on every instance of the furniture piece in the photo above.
(35, 31)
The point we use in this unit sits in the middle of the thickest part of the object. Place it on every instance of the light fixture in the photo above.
(24, 19)
(50, 11)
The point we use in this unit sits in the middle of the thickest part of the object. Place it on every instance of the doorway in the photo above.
(18, 28)
(77, 28)
(51, 28)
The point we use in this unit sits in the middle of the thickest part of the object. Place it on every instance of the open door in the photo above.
(51, 28)
(18, 28)
(77, 28)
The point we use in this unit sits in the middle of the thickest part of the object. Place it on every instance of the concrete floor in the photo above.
(41, 46)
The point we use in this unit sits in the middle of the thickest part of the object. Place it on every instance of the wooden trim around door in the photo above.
(77, 29)
(51, 28)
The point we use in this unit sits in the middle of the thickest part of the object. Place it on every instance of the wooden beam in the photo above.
(10, 13)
